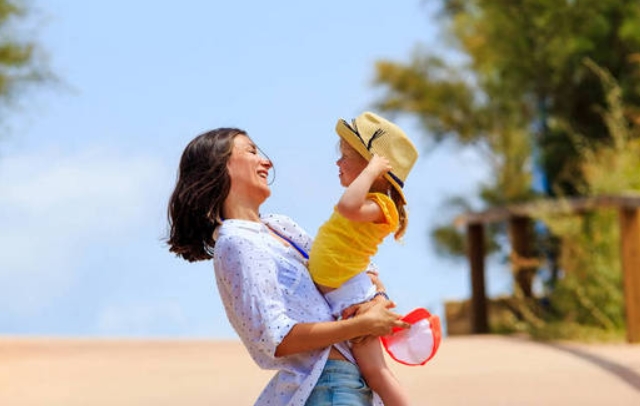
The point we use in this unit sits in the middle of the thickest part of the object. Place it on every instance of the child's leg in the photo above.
(368, 354)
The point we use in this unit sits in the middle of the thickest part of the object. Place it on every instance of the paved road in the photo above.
(496, 370)
(470, 370)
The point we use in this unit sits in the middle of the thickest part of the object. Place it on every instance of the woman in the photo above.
(260, 267)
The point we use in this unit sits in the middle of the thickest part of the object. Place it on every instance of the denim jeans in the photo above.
(340, 384)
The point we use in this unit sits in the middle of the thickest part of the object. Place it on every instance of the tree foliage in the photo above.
(524, 61)
(553, 83)
(22, 62)
(591, 292)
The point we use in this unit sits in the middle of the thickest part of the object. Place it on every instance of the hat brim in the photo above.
(346, 132)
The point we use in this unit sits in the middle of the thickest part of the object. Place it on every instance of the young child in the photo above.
(376, 157)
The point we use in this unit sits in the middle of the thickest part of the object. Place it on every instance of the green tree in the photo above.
(22, 62)
(524, 62)
(591, 294)
(521, 63)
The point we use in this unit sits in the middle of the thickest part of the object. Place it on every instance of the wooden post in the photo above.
(523, 273)
(630, 252)
(475, 252)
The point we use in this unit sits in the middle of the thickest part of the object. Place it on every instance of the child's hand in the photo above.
(379, 165)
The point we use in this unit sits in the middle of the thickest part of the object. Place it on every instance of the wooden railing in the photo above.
(519, 218)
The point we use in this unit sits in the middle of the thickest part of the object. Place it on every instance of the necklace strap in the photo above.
(293, 244)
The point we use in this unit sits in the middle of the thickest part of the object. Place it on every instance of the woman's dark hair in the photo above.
(203, 185)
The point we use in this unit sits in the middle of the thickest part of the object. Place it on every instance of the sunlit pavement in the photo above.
(469, 370)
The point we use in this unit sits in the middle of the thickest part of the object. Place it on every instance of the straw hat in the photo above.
(369, 133)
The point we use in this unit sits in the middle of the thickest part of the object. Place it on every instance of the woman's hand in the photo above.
(362, 307)
(358, 308)
(378, 318)
(373, 319)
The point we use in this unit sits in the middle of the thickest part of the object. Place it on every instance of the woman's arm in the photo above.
(377, 320)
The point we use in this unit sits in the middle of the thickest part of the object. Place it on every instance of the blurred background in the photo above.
(508, 102)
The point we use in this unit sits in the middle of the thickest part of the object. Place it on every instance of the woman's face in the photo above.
(248, 170)
(350, 163)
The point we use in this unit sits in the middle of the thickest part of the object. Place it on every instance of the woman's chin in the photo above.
(266, 192)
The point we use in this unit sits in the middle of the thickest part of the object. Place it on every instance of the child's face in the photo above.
(350, 163)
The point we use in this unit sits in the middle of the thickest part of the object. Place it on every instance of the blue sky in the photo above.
(86, 167)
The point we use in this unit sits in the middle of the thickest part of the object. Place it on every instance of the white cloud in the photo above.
(53, 205)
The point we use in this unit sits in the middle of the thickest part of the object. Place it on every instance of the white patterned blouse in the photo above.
(266, 289)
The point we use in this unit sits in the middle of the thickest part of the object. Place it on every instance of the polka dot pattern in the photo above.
(266, 289)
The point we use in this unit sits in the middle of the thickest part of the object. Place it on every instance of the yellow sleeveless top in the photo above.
(343, 248)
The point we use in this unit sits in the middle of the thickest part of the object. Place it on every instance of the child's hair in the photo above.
(402, 213)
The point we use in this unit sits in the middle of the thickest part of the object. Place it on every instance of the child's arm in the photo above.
(354, 204)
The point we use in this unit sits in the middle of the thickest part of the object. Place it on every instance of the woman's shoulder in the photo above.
(285, 225)
(274, 217)
(236, 232)
(279, 221)
(237, 242)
